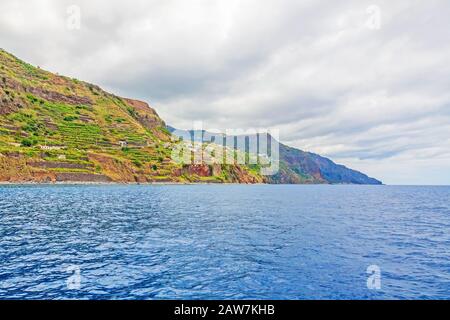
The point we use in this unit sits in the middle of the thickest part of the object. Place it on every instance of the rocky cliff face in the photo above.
(148, 118)
(298, 166)
(58, 129)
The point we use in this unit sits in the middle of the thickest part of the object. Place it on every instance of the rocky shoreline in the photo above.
(30, 183)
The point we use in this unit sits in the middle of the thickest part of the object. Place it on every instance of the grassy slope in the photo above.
(38, 108)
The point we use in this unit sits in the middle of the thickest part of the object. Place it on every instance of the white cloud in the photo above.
(377, 100)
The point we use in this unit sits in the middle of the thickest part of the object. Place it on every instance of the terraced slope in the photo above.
(54, 128)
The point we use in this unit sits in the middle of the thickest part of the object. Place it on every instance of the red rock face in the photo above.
(59, 97)
(235, 173)
(146, 115)
(8, 103)
(81, 177)
(201, 170)
(148, 118)
(240, 175)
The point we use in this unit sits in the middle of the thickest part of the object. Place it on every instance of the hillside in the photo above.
(300, 167)
(58, 129)
(297, 166)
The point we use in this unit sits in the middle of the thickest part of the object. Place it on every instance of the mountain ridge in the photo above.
(298, 166)
(59, 129)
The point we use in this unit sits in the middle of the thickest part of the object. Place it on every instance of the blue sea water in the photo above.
(224, 242)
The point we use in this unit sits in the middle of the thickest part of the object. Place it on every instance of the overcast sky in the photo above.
(366, 83)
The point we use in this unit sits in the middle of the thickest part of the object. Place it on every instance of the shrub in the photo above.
(28, 142)
(70, 118)
(132, 112)
(32, 98)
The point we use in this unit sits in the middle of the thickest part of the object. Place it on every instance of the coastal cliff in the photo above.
(57, 129)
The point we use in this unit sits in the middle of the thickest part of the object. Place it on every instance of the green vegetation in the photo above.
(73, 126)
(28, 142)
(70, 118)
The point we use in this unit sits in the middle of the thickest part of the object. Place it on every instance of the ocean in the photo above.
(224, 242)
